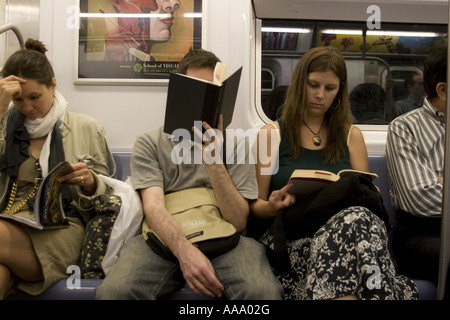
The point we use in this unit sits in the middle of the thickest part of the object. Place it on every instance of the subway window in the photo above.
(384, 65)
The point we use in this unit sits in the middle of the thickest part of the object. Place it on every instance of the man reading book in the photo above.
(142, 273)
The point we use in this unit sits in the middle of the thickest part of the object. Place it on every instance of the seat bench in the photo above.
(60, 290)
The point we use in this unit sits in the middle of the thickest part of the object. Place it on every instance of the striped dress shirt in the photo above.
(415, 160)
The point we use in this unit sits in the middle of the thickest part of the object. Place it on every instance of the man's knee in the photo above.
(116, 289)
(110, 290)
(261, 289)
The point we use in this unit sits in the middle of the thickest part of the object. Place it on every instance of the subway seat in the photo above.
(377, 163)
(61, 291)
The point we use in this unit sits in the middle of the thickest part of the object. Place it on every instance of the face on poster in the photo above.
(136, 39)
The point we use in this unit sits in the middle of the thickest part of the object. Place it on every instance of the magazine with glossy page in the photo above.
(307, 181)
(48, 208)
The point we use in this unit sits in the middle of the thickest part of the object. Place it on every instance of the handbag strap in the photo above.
(279, 256)
(189, 198)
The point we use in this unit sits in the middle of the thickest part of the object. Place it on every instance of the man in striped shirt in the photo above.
(415, 160)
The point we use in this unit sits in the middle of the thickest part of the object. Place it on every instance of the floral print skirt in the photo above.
(348, 255)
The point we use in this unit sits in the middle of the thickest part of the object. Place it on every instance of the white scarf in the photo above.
(43, 127)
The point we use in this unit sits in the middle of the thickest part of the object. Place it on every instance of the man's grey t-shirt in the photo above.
(152, 164)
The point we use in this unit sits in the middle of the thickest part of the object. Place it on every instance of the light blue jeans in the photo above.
(142, 274)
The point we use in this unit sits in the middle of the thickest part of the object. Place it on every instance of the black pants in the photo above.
(416, 245)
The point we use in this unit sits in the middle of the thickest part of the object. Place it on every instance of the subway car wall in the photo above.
(265, 37)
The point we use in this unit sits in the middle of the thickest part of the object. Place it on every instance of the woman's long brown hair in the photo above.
(338, 118)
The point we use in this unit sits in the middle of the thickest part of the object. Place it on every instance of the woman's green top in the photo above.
(309, 159)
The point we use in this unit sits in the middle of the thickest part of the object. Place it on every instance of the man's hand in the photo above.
(198, 272)
(212, 142)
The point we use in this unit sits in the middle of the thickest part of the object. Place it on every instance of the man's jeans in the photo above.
(142, 274)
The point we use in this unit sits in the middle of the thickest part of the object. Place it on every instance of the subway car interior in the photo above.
(384, 44)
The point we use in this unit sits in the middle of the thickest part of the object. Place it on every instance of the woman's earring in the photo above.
(337, 106)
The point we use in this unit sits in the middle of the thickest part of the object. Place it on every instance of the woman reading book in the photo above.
(315, 132)
(37, 132)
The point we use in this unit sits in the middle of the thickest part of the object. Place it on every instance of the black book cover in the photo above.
(190, 100)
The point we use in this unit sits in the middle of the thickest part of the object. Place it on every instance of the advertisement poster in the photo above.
(391, 44)
(135, 41)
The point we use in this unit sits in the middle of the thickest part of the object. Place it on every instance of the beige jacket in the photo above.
(83, 139)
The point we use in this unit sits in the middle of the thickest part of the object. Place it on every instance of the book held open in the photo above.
(48, 209)
(191, 99)
(308, 181)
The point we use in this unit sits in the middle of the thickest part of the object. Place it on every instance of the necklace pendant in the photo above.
(317, 141)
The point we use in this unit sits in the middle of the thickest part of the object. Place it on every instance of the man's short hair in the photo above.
(435, 69)
(197, 58)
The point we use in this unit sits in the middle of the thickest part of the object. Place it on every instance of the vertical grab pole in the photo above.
(445, 224)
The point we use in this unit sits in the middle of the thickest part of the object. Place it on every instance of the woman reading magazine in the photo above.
(315, 132)
(37, 132)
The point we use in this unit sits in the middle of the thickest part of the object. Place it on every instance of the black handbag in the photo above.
(308, 214)
(97, 234)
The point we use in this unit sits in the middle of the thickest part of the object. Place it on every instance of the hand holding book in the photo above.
(307, 181)
(79, 175)
(48, 210)
(210, 141)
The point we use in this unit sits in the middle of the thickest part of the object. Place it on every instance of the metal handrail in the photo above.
(16, 30)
